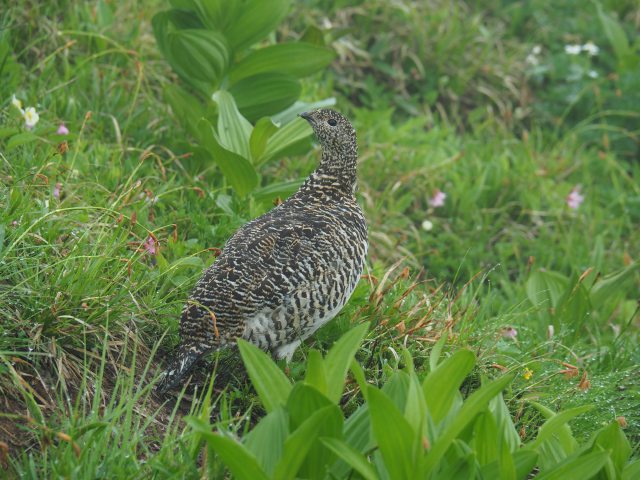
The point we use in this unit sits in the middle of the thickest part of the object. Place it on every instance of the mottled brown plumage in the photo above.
(285, 274)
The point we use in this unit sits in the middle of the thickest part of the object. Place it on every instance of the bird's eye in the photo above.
(332, 122)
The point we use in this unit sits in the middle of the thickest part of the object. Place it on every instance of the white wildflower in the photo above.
(536, 50)
(572, 49)
(591, 48)
(592, 74)
(17, 103)
(427, 225)
(31, 117)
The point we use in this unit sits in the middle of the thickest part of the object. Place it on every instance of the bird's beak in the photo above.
(307, 116)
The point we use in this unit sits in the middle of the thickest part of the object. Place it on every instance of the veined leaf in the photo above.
(259, 137)
(236, 169)
(234, 131)
(316, 375)
(610, 286)
(300, 442)
(304, 400)
(265, 94)
(272, 386)
(631, 471)
(394, 436)
(200, 57)
(443, 383)
(257, 19)
(576, 467)
(557, 424)
(611, 438)
(20, 139)
(217, 14)
(351, 457)
(473, 405)
(187, 108)
(339, 358)
(616, 35)
(290, 114)
(266, 440)
(545, 288)
(282, 190)
(297, 59)
(286, 136)
(523, 461)
(241, 463)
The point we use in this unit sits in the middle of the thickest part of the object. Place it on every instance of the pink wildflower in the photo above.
(150, 245)
(574, 199)
(56, 190)
(62, 129)
(510, 332)
(437, 200)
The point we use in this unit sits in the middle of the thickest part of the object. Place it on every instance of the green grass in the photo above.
(84, 307)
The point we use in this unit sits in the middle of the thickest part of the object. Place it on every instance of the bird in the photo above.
(284, 274)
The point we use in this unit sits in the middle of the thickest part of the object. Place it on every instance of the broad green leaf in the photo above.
(316, 375)
(299, 443)
(182, 19)
(351, 457)
(20, 139)
(501, 413)
(265, 94)
(236, 169)
(631, 471)
(615, 34)
(217, 15)
(415, 410)
(241, 463)
(303, 403)
(613, 439)
(436, 352)
(304, 400)
(266, 440)
(567, 444)
(443, 383)
(473, 405)
(200, 57)
(523, 461)
(612, 285)
(486, 441)
(574, 305)
(272, 386)
(234, 131)
(291, 113)
(556, 425)
(297, 59)
(272, 191)
(257, 19)
(187, 108)
(396, 439)
(8, 132)
(576, 467)
(286, 136)
(545, 288)
(260, 134)
(313, 35)
(339, 358)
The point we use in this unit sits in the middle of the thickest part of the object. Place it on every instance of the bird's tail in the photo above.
(187, 356)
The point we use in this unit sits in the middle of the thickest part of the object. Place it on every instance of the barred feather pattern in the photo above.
(285, 274)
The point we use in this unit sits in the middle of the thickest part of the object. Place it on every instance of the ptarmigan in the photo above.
(285, 274)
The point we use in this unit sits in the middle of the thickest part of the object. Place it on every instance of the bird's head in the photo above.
(334, 132)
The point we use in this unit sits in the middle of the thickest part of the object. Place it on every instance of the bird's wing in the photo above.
(267, 260)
